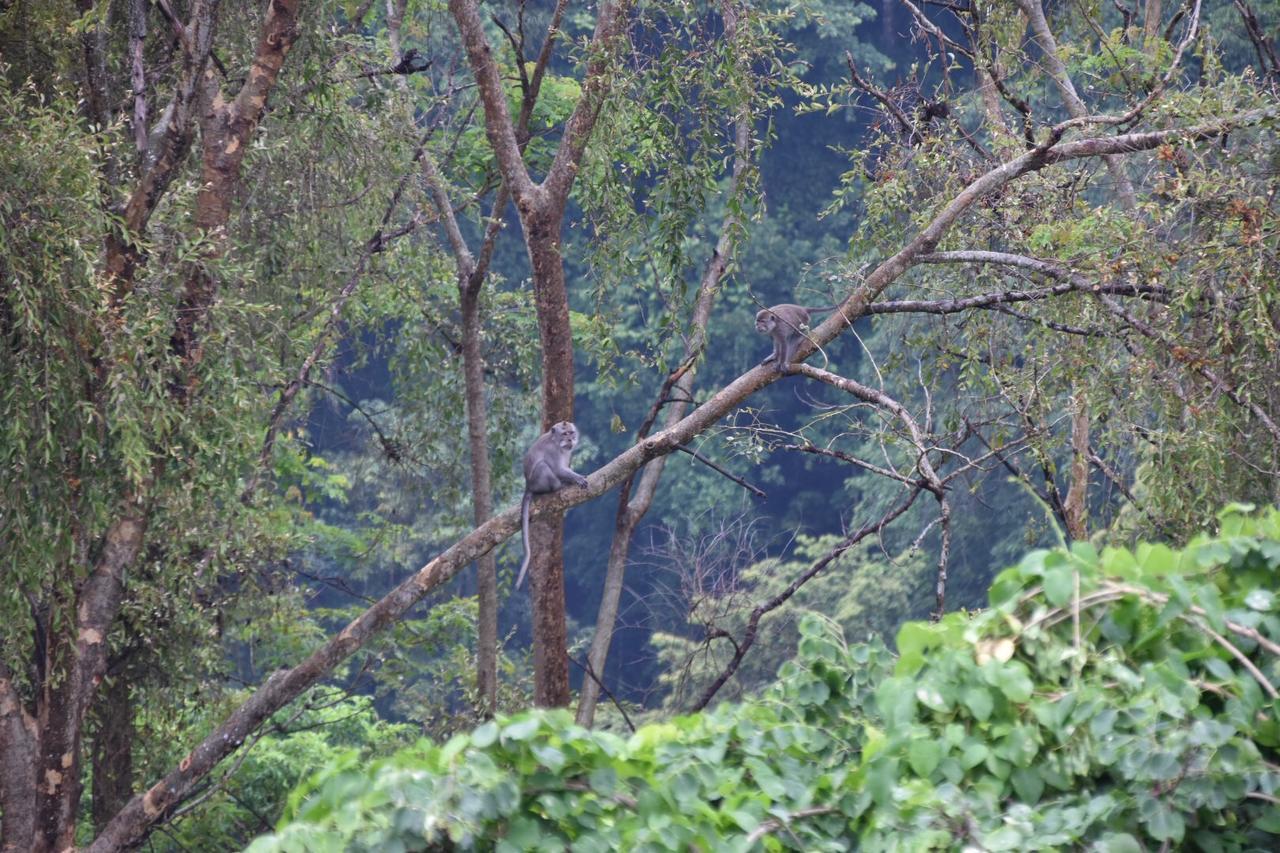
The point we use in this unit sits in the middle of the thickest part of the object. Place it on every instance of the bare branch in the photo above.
(741, 647)
(927, 472)
(722, 472)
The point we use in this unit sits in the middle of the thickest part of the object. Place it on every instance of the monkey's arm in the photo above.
(567, 475)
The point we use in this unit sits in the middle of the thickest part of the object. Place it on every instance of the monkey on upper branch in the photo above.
(546, 469)
(787, 325)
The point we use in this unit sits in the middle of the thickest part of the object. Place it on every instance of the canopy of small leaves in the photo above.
(1120, 700)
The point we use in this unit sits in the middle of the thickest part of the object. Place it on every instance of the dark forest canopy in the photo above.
(288, 287)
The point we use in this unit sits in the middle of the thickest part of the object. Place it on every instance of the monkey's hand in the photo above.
(581, 481)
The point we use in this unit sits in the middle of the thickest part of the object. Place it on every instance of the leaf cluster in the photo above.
(1116, 700)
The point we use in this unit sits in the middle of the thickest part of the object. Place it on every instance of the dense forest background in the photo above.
(289, 287)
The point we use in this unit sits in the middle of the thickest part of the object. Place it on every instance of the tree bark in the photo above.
(18, 740)
(482, 500)
(1076, 506)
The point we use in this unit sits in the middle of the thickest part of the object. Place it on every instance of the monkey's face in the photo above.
(566, 435)
(766, 322)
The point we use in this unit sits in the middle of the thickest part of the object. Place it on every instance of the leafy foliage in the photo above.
(1114, 700)
(327, 726)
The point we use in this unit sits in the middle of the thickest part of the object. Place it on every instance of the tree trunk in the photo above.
(541, 208)
(482, 498)
(546, 533)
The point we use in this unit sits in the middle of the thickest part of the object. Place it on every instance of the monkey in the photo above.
(786, 324)
(546, 469)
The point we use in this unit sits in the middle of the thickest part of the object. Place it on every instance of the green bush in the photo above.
(1115, 701)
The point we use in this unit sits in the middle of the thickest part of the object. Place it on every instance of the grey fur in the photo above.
(546, 469)
(787, 325)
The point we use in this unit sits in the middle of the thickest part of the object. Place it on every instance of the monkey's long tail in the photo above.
(524, 527)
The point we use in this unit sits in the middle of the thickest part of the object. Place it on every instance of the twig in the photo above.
(887, 473)
(607, 692)
(777, 823)
(390, 446)
(705, 461)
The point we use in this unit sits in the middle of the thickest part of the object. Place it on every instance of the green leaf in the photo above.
(923, 756)
(1156, 559)
(1060, 585)
(1162, 821)
(522, 729)
(881, 778)
(1260, 599)
(1270, 821)
(896, 701)
(551, 758)
(485, 735)
(1117, 842)
(1012, 679)
(931, 697)
(1028, 783)
(975, 752)
(978, 701)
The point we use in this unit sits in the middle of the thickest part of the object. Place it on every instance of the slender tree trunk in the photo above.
(482, 499)
(632, 507)
(470, 279)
